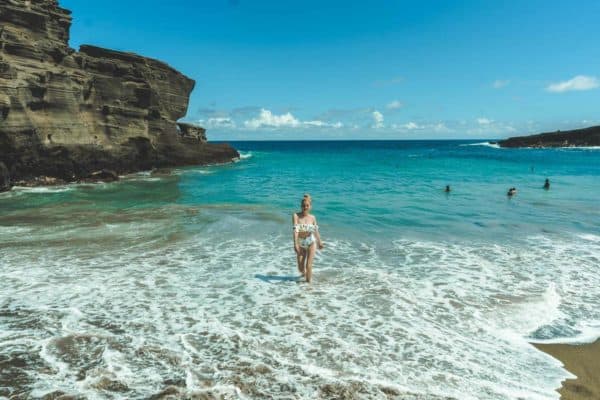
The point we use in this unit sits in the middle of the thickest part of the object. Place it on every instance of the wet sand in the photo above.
(581, 360)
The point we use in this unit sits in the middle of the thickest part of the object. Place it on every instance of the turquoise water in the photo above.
(186, 281)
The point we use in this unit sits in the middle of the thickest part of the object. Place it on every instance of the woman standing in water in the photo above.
(306, 237)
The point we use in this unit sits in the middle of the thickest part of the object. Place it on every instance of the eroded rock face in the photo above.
(67, 114)
(192, 131)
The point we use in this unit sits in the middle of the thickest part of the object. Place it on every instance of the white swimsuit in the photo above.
(310, 239)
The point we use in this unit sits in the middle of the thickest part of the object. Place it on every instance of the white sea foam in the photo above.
(142, 173)
(589, 333)
(145, 178)
(487, 144)
(13, 230)
(595, 148)
(43, 189)
(195, 171)
(590, 237)
(224, 314)
(246, 155)
(11, 193)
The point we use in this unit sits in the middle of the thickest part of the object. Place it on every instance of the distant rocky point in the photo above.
(92, 114)
(575, 138)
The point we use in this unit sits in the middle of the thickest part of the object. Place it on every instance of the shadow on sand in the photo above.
(278, 278)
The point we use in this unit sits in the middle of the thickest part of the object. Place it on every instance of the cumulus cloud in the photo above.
(580, 82)
(410, 126)
(377, 119)
(484, 121)
(267, 119)
(499, 83)
(220, 122)
(322, 124)
(394, 105)
(441, 127)
(438, 127)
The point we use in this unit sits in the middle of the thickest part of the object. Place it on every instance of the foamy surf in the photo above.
(589, 332)
(486, 144)
(43, 189)
(433, 319)
(593, 148)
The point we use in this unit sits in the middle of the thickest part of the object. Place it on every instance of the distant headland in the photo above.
(91, 114)
(586, 137)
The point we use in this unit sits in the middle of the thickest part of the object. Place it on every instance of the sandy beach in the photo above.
(581, 360)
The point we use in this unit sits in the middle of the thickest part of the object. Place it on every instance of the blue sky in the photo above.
(366, 70)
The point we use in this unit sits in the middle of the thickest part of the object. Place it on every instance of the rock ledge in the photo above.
(586, 137)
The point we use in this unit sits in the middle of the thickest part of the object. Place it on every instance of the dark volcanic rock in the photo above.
(4, 178)
(67, 114)
(575, 138)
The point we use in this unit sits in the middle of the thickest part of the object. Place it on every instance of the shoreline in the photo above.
(583, 361)
(105, 176)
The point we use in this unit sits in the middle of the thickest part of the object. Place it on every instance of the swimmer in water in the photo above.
(547, 184)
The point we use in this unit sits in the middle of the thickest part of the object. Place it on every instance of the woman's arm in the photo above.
(318, 235)
(295, 233)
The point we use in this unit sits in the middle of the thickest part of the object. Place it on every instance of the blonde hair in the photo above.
(306, 198)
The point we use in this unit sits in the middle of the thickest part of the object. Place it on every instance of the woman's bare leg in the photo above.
(309, 261)
(301, 258)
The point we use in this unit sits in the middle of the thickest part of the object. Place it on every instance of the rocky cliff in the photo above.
(574, 138)
(67, 114)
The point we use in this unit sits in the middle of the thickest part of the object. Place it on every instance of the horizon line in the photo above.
(354, 140)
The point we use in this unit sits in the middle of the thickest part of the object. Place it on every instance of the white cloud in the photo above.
(410, 126)
(394, 105)
(322, 124)
(484, 121)
(220, 122)
(316, 123)
(267, 119)
(580, 82)
(440, 127)
(377, 119)
(499, 84)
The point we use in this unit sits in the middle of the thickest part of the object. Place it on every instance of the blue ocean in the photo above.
(184, 283)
